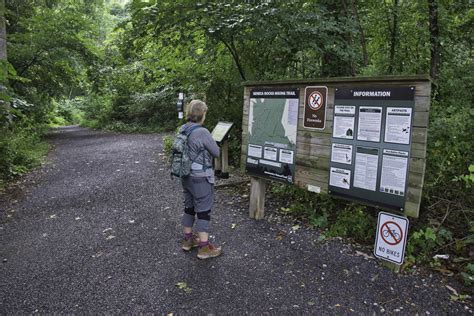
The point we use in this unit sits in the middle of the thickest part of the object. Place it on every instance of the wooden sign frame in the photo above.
(313, 147)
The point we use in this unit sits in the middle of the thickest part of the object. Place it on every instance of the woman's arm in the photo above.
(210, 144)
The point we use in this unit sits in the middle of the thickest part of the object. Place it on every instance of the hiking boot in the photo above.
(188, 244)
(209, 251)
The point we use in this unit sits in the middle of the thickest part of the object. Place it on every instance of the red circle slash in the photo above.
(386, 231)
(315, 100)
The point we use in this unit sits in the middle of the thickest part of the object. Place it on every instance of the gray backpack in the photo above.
(180, 161)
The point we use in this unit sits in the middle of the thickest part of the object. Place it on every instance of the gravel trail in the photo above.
(97, 229)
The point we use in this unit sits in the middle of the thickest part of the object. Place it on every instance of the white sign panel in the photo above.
(340, 178)
(341, 153)
(391, 237)
(270, 153)
(397, 126)
(286, 156)
(345, 109)
(394, 172)
(366, 166)
(343, 127)
(255, 151)
(370, 119)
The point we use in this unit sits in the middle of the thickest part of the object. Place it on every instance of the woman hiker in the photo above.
(198, 188)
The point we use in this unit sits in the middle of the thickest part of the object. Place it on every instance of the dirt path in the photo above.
(97, 229)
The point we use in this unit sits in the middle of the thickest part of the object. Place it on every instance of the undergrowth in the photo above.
(21, 149)
(428, 236)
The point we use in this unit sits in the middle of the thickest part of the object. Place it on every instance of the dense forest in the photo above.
(119, 65)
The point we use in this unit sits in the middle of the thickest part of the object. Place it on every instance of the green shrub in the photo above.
(423, 243)
(21, 149)
(66, 112)
(168, 145)
(354, 221)
(90, 123)
(468, 274)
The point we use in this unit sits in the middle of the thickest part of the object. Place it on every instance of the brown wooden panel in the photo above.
(244, 148)
(313, 138)
(422, 89)
(418, 150)
(417, 165)
(311, 173)
(421, 119)
(303, 183)
(422, 103)
(243, 158)
(245, 138)
(412, 209)
(415, 180)
(312, 150)
(419, 135)
(245, 120)
(320, 163)
(413, 194)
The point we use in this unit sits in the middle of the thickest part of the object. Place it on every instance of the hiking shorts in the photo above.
(198, 193)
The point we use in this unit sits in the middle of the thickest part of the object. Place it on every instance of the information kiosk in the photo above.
(362, 139)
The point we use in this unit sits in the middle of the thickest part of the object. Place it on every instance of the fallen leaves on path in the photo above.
(183, 286)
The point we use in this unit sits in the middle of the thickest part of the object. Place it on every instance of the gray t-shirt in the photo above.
(202, 149)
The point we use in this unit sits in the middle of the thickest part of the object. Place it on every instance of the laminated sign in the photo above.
(272, 129)
(315, 107)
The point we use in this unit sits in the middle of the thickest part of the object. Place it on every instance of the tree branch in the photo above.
(235, 56)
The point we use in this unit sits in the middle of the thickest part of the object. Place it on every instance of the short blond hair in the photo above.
(196, 110)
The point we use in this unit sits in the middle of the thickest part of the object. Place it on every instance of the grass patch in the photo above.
(20, 151)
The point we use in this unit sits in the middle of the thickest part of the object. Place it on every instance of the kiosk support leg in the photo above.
(257, 198)
(225, 160)
(217, 165)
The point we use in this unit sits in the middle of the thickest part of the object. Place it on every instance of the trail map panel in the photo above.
(273, 119)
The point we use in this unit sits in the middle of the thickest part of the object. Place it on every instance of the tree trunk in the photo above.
(3, 64)
(363, 41)
(3, 33)
(435, 46)
(393, 36)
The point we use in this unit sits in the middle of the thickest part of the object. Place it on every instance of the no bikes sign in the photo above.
(391, 238)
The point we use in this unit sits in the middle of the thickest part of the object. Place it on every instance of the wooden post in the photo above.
(225, 159)
(217, 165)
(257, 198)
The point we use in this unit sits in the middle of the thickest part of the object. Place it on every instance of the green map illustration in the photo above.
(272, 134)
(273, 121)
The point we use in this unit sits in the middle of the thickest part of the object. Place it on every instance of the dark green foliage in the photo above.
(355, 222)
(21, 149)
(336, 217)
